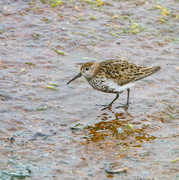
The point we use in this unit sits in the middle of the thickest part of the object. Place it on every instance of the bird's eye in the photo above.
(86, 69)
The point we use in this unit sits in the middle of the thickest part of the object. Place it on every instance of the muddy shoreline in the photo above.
(49, 130)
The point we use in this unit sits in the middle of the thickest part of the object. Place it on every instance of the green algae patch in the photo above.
(50, 87)
(96, 2)
(29, 63)
(164, 10)
(175, 160)
(53, 84)
(55, 3)
(41, 109)
(59, 52)
(129, 127)
(93, 18)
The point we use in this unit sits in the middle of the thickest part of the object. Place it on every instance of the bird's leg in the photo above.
(114, 100)
(128, 92)
(127, 104)
(108, 106)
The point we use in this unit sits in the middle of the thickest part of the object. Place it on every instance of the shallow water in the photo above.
(58, 132)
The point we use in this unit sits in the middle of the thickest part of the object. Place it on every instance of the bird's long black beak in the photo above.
(77, 76)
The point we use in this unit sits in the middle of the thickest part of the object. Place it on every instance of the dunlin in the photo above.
(114, 76)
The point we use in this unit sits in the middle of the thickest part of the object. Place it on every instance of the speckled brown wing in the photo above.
(145, 72)
(124, 72)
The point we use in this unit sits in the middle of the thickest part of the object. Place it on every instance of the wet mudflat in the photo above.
(49, 130)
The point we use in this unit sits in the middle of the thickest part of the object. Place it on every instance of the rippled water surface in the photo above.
(49, 130)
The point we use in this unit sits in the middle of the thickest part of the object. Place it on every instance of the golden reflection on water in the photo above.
(117, 129)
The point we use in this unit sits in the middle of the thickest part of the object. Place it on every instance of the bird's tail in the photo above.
(146, 71)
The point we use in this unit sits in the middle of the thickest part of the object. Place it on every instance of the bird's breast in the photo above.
(108, 85)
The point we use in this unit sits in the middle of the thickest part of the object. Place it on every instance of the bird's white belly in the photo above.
(115, 87)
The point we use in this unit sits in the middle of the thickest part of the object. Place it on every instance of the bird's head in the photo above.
(87, 70)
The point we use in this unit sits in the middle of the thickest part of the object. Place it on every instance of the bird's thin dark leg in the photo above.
(127, 104)
(128, 92)
(108, 106)
(114, 100)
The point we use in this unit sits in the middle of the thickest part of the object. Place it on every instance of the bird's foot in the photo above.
(105, 106)
(101, 105)
(124, 106)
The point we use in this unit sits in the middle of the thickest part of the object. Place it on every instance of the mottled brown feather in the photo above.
(123, 72)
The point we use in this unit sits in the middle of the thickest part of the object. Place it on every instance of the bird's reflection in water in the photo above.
(120, 128)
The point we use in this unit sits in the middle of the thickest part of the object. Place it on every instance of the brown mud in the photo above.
(49, 130)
